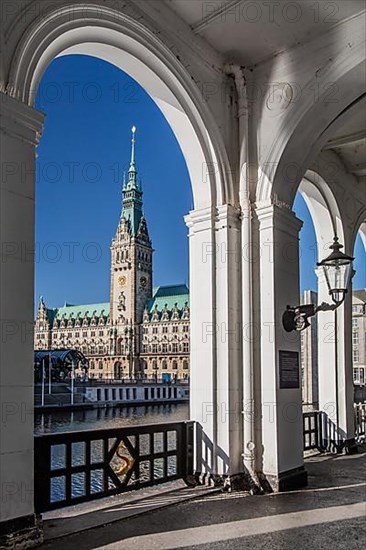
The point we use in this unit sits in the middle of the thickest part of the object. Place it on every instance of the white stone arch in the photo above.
(348, 193)
(324, 210)
(94, 29)
(334, 365)
(360, 229)
(117, 38)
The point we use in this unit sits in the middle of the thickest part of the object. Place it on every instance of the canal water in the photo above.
(66, 421)
(96, 419)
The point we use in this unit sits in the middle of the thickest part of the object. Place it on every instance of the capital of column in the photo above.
(279, 218)
(204, 219)
(227, 216)
(20, 121)
(199, 220)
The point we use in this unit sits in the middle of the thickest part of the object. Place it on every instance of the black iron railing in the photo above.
(76, 467)
(312, 430)
(321, 433)
(360, 422)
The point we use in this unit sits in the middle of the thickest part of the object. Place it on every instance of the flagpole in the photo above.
(43, 373)
(49, 374)
(72, 382)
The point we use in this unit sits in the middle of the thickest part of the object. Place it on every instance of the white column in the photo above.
(335, 370)
(345, 375)
(279, 441)
(229, 378)
(326, 363)
(203, 407)
(215, 397)
(20, 129)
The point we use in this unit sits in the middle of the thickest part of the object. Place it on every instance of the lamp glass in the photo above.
(338, 271)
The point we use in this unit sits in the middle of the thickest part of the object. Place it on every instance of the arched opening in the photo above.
(359, 316)
(127, 44)
(117, 370)
(325, 345)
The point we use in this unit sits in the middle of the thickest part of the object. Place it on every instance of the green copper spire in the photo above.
(132, 172)
(132, 193)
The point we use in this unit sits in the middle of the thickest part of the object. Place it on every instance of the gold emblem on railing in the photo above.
(127, 460)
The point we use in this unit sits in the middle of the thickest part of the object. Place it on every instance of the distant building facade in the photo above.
(141, 331)
(359, 336)
(309, 347)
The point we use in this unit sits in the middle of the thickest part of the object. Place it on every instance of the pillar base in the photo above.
(242, 481)
(234, 482)
(287, 481)
(24, 532)
(350, 447)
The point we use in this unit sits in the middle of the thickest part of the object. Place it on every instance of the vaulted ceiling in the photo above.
(349, 141)
(250, 31)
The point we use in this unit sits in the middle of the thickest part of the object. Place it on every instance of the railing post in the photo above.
(188, 450)
(319, 431)
(42, 481)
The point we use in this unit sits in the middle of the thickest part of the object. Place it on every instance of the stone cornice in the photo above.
(277, 217)
(20, 121)
(222, 216)
(199, 220)
(228, 216)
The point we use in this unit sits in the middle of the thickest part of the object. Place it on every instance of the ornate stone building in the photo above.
(141, 331)
(359, 336)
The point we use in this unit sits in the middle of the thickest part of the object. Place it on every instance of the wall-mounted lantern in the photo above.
(338, 271)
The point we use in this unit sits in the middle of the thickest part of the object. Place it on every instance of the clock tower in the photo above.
(131, 256)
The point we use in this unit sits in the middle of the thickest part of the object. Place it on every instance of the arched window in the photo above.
(185, 364)
(175, 365)
(117, 369)
(164, 365)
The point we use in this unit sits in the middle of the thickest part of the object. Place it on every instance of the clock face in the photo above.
(122, 280)
(143, 282)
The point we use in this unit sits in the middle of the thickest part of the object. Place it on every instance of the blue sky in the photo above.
(90, 107)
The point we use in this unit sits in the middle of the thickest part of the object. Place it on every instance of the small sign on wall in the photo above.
(289, 369)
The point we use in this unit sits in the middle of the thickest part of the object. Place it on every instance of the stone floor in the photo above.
(329, 514)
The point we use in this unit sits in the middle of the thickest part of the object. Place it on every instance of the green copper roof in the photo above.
(51, 314)
(170, 295)
(80, 310)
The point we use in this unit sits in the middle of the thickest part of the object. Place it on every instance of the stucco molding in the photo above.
(20, 121)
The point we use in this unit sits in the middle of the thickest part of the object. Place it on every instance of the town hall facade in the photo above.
(142, 331)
